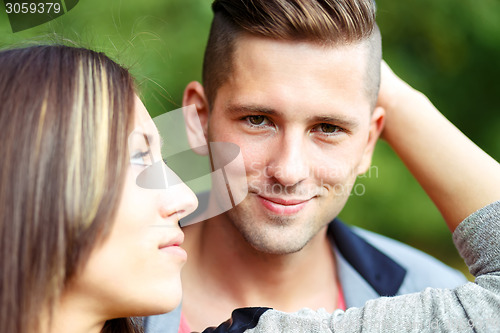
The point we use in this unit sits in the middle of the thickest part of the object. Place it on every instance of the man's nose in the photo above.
(289, 162)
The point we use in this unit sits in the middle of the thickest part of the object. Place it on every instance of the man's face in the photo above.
(302, 117)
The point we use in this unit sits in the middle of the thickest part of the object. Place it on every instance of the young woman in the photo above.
(81, 242)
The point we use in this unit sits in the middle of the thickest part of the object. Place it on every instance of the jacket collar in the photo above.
(382, 273)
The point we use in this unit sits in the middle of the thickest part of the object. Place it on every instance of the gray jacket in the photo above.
(368, 266)
(472, 307)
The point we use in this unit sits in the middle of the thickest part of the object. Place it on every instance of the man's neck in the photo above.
(225, 272)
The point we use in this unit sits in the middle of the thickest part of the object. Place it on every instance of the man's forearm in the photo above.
(456, 174)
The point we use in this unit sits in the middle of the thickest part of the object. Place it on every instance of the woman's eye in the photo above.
(257, 120)
(143, 158)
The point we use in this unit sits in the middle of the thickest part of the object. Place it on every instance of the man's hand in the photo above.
(394, 93)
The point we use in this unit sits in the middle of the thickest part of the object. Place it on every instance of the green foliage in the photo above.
(448, 49)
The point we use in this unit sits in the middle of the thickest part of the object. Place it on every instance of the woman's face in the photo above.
(136, 271)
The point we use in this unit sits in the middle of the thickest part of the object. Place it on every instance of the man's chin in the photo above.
(276, 238)
(276, 249)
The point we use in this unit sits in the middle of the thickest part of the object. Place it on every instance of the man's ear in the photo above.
(196, 113)
(376, 126)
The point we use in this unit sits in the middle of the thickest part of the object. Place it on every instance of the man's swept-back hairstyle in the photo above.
(324, 22)
(65, 116)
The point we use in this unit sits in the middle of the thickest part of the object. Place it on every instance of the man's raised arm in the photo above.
(456, 174)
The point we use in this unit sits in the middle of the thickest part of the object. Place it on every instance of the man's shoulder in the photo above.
(370, 265)
(422, 270)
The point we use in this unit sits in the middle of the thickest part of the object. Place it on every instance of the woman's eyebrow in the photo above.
(161, 140)
(152, 138)
(148, 137)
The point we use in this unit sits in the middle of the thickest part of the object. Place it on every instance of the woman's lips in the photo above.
(173, 246)
(280, 206)
(175, 250)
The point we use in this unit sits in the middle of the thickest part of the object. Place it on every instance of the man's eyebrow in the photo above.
(339, 120)
(240, 108)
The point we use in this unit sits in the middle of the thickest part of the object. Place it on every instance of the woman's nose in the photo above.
(187, 201)
(177, 197)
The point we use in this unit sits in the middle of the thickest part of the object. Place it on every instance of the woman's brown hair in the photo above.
(65, 115)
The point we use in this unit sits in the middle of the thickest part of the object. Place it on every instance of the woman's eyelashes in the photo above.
(142, 158)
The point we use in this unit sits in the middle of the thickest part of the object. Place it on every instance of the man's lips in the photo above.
(281, 206)
(285, 202)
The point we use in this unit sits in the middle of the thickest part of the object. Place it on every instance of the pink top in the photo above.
(184, 326)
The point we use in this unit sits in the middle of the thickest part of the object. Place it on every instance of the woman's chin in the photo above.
(166, 300)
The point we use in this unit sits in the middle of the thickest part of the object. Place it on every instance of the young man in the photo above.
(294, 83)
(465, 186)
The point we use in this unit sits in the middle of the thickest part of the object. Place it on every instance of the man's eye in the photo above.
(143, 158)
(328, 128)
(257, 120)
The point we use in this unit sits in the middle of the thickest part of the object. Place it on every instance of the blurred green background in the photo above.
(448, 49)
